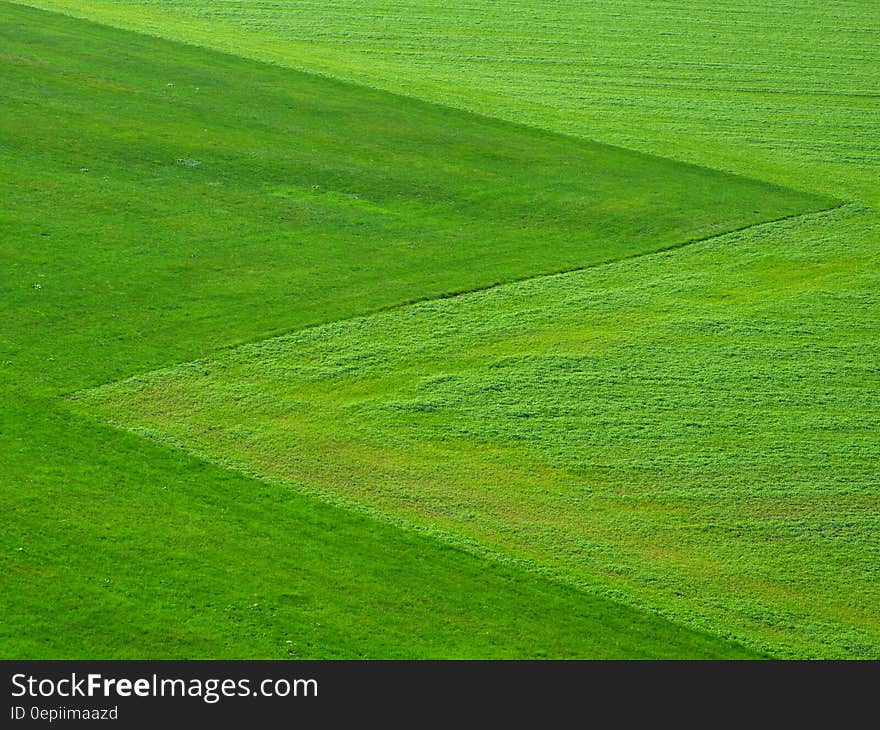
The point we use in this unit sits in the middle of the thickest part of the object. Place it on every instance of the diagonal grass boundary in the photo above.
(473, 546)
(413, 99)
(465, 292)
(89, 183)
(162, 200)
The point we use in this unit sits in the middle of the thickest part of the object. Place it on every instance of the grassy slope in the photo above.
(117, 259)
(696, 431)
(786, 91)
(312, 200)
(116, 548)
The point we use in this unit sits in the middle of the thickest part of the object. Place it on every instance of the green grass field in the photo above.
(660, 427)
(668, 451)
(169, 200)
(784, 91)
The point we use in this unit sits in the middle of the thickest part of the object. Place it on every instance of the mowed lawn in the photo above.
(161, 202)
(699, 442)
(115, 548)
(696, 431)
(786, 91)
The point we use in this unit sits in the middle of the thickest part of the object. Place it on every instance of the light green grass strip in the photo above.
(786, 91)
(695, 431)
(160, 201)
(116, 548)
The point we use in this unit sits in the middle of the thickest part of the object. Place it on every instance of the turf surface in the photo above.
(115, 548)
(695, 431)
(785, 92)
(161, 201)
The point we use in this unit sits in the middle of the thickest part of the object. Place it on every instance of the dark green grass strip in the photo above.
(695, 430)
(161, 200)
(114, 547)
